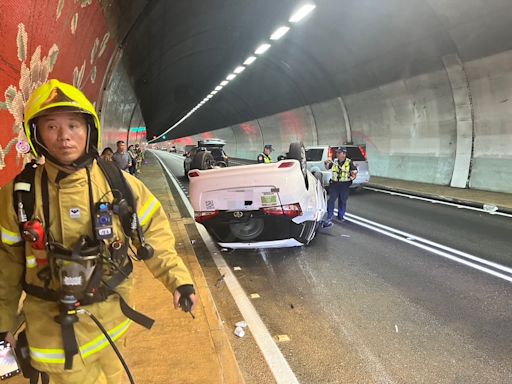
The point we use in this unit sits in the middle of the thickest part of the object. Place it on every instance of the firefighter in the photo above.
(264, 157)
(344, 172)
(61, 124)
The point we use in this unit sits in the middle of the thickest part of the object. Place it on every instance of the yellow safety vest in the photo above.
(266, 159)
(341, 174)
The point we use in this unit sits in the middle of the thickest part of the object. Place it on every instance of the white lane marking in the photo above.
(434, 201)
(433, 247)
(277, 363)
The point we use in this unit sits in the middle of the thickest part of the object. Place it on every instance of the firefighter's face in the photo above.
(64, 134)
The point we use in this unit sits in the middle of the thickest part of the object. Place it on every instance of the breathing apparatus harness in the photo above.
(81, 269)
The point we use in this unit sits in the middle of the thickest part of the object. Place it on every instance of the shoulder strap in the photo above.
(120, 189)
(24, 194)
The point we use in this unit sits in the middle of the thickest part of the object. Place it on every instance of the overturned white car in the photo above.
(261, 205)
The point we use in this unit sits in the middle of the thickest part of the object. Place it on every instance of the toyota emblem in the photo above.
(238, 214)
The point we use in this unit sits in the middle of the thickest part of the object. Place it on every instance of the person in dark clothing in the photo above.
(344, 172)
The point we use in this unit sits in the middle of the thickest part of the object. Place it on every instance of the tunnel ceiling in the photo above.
(176, 52)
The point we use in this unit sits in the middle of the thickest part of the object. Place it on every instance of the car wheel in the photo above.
(247, 230)
(221, 164)
(297, 152)
(202, 160)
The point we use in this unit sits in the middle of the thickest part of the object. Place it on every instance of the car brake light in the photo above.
(286, 164)
(288, 210)
(193, 174)
(202, 216)
(363, 151)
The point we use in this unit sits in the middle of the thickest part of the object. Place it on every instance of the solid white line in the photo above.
(354, 219)
(412, 237)
(277, 363)
(434, 201)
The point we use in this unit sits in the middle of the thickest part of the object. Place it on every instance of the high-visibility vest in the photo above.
(341, 173)
(266, 158)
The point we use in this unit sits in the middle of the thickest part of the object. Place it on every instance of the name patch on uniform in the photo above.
(74, 213)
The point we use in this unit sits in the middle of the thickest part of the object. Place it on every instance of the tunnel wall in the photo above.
(67, 40)
(409, 126)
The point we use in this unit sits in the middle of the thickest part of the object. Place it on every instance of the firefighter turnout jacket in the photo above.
(69, 218)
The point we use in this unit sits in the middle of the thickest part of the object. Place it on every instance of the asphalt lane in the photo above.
(360, 307)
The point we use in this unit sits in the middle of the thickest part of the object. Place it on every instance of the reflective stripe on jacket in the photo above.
(70, 217)
(341, 174)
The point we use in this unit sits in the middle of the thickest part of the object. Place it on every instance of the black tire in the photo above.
(202, 160)
(297, 152)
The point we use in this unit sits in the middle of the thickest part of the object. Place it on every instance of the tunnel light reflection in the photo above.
(249, 60)
(239, 69)
(301, 13)
(262, 49)
(279, 32)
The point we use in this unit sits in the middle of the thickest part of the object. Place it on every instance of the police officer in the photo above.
(344, 172)
(61, 124)
(265, 156)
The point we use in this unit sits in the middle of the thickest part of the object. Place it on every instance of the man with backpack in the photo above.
(69, 231)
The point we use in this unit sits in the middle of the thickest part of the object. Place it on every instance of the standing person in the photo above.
(121, 157)
(264, 157)
(69, 261)
(344, 172)
(107, 154)
(133, 159)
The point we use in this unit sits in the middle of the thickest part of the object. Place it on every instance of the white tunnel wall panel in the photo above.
(490, 81)
(330, 123)
(289, 126)
(409, 128)
(117, 109)
(249, 140)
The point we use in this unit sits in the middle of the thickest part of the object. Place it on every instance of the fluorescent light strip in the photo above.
(218, 87)
(262, 49)
(239, 69)
(301, 13)
(213, 92)
(279, 32)
(231, 76)
(250, 60)
(224, 83)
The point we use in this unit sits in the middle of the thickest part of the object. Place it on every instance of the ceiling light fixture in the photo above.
(231, 76)
(239, 69)
(250, 60)
(302, 12)
(218, 87)
(262, 49)
(279, 32)
(213, 92)
(224, 83)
